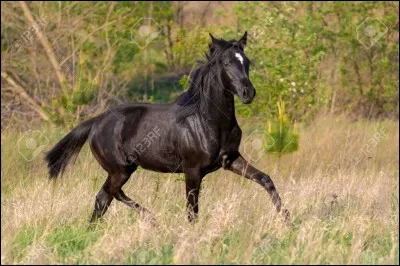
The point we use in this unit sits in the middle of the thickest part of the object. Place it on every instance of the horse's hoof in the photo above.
(287, 218)
(93, 225)
(149, 217)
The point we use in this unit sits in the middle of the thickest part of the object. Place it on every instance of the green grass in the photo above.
(71, 241)
(24, 238)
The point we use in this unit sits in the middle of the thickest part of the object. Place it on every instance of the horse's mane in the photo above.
(200, 78)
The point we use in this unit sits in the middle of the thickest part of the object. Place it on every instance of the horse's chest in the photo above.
(223, 141)
(230, 140)
(205, 146)
(227, 144)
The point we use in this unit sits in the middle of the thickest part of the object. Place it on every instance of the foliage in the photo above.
(315, 56)
(286, 56)
(294, 44)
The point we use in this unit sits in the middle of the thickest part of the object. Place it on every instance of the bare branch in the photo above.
(45, 42)
(22, 92)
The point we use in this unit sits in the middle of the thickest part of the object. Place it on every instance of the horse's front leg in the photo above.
(193, 180)
(241, 167)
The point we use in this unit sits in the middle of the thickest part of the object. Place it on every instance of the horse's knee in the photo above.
(269, 185)
(265, 180)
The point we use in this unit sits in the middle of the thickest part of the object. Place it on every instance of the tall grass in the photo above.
(345, 207)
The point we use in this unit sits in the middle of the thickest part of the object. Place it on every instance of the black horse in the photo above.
(195, 135)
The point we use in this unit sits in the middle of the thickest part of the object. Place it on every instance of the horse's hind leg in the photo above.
(103, 200)
(116, 183)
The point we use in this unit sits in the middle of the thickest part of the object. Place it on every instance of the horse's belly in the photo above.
(161, 161)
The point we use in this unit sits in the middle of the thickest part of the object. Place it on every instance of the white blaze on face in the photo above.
(239, 56)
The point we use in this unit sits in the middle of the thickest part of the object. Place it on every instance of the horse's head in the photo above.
(235, 67)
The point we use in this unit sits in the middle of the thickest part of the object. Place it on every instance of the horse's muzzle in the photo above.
(247, 94)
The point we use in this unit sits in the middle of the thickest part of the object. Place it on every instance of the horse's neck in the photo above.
(218, 107)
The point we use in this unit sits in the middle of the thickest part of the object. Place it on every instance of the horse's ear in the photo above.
(243, 41)
(213, 39)
(216, 41)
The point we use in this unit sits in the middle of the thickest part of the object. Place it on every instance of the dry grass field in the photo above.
(341, 187)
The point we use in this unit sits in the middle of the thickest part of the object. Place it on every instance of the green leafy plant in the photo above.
(284, 134)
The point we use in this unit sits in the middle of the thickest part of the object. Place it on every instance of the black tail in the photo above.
(68, 148)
